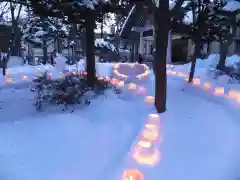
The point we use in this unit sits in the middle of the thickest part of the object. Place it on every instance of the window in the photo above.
(148, 33)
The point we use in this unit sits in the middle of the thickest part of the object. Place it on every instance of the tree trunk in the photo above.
(197, 51)
(132, 52)
(58, 45)
(208, 47)
(102, 29)
(45, 54)
(16, 34)
(4, 65)
(161, 29)
(74, 38)
(83, 44)
(90, 55)
(16, 45)
(223, 56)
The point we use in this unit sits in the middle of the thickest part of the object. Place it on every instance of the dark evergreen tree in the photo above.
(201, 29)
(44, 31)
(226, 24)
(79, 12)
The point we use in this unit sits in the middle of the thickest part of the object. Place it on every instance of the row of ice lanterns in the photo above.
(145, 152)
(219, 91)
(9, 78)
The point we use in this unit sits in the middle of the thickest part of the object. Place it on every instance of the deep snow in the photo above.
(200, 134)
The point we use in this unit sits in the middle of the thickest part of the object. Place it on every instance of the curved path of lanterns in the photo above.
(145, 151)
(217, 91)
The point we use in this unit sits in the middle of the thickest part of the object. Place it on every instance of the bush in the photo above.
(71, 89)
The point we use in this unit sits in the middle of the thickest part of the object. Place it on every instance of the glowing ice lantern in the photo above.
(25, 78)
(152, 126)
(9, 80)
(150, 135)
(238, 99)
(120, 84)
(196, 81)
(154, 119)
(154, 116)
(150, 158)
(219, 91)
(114, 81)
(150, 99)
(132, 174)
(206, 85)
(132, 87)
(145, 144)
(233, 94)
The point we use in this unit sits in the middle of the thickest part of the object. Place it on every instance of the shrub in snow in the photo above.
(60, 62)
(71, 89)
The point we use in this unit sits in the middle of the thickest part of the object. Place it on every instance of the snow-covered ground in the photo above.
(199, 131)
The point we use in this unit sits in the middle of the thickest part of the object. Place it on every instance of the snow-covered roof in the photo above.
(88, 3)
(232, 6)
(40, 33)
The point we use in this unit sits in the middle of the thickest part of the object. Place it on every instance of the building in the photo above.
(137, 35)
(35, 49)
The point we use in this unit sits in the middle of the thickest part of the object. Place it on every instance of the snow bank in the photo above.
(60, 62)
(15, 61)
(232, 60)
(62, 146)
(40, 33)
(206, 71)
